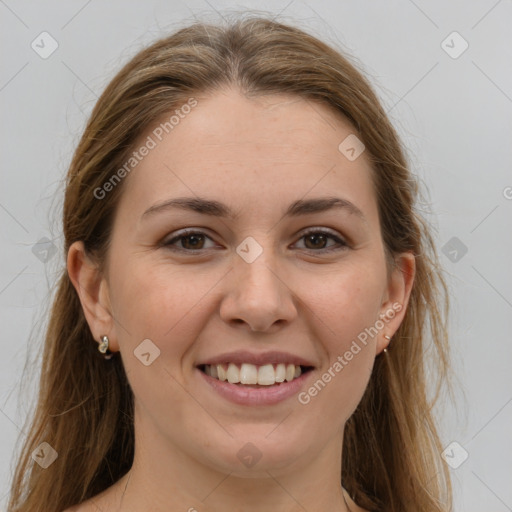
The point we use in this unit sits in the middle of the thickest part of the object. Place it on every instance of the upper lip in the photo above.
(243, 356)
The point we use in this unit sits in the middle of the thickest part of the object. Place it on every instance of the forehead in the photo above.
(251, 153)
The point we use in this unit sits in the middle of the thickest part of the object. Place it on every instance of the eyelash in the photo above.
(187, 233)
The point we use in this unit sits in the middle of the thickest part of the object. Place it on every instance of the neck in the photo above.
(137, 494)
(164, 476)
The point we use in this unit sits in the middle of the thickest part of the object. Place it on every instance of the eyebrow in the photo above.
(218, 209)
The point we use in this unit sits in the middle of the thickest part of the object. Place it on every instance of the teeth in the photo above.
(290, 372)
(221, 373)
(249, 374)
(233, 374)
(265, 375)
(280, 372)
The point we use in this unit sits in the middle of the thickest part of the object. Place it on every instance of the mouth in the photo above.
(255, 376)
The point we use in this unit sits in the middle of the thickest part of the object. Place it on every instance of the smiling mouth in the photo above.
(249, 375)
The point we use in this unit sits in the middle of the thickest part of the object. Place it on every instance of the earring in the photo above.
(389, 339)
(103, 347)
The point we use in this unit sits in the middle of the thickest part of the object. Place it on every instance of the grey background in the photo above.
(454, 115)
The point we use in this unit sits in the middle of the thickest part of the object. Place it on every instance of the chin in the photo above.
(256, 457)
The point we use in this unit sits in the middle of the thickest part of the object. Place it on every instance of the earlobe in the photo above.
(92, 289)
(394, 307)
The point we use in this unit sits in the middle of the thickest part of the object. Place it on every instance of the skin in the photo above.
(294, 297)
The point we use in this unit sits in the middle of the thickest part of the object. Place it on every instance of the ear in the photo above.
(92, 289)
(396, 298)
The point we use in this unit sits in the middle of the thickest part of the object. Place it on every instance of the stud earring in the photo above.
(103, 347)
(389, 339)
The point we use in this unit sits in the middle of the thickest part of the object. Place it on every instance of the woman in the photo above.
(243, 318)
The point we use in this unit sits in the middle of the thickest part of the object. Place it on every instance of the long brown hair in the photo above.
(391, 449)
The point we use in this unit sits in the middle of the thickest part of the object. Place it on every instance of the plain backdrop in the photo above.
(442, 70)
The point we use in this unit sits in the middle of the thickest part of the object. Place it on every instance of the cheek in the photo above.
(344, 311)
(163, 305)
(159, 302)
(345, 301)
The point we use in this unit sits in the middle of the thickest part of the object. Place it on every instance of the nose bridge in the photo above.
(259, 278)
(258, 282)
(258, 295)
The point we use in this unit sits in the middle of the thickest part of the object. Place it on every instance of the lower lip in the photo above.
(267, 395)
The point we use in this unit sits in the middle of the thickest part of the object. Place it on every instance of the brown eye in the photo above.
(188, 241)
(317, 241)
(192, 241)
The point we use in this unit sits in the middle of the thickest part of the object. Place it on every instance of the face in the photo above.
(259, 278)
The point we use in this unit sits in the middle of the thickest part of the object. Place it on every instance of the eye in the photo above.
(315, 240)
(190, 240)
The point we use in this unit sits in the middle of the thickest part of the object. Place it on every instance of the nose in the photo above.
(258, 295)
